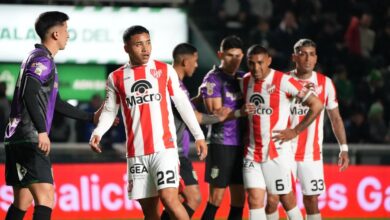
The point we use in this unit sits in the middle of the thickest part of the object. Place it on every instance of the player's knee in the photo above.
(255, 200)
(272, 202)
(194, 200)
(216, 198)
(310, 200)
(169, 197)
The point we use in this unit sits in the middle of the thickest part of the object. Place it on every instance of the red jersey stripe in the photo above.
(167, 137)
(145, 120)
(258, 153)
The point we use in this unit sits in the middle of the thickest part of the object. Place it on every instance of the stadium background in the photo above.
(353, 40)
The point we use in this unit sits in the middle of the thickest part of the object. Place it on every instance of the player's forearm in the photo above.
(207, 119)
(182, 105)
(70, 111)
(339, 130)
(106, 119)
(315, 109)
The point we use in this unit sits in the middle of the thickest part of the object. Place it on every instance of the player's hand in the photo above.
(201, 149)
(222, 113)
(284, 135)
(343, 160)
(248, 108)
(94, 143)
(44, 143)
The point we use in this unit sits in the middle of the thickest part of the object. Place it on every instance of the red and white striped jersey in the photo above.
(144, 94)
(308, 144)
(272, 97)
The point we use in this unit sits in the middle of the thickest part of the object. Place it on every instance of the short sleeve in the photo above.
(40, 68)
(331, 98)
(211, 87)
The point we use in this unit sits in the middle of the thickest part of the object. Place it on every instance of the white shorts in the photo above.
(310, 175)
(274, 174)
(149, 173)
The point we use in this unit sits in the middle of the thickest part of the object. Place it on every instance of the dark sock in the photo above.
(14, 213)
(42, 213)
(165, 215)
(189, 210)
(235, 213)
(209, 212)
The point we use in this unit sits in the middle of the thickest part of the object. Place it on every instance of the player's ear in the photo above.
(184, 62)
(293, 57)
(220, 54)
(125, 48)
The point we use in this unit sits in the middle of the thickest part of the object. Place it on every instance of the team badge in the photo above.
(22, 171)
(195, 175)
(210, 88)
(270, 88)
(156, 73)
(130, 186)
(39, 68)
(318, 89)
(214, 172)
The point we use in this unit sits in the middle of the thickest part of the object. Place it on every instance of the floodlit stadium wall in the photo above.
(95, 32)
(91, 191)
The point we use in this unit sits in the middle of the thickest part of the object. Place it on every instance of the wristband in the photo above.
(237, 113)
(344, 147)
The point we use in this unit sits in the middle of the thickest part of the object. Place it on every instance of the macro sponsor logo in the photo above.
(261, 109)
(298, 109)
(141, 94)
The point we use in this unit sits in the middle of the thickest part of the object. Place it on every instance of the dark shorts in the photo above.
(25, 164)
(187, 172)
(224, 165)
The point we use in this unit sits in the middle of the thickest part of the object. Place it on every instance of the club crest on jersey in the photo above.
(210, 88)
(270, 88)
(130, 186)
(214, 172)
(142, 93)
(39, 68)
(156, 73)
(261, 109)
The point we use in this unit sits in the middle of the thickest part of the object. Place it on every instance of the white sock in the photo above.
(314, 216)
(257, 214)
(273, 216)
(295, 214)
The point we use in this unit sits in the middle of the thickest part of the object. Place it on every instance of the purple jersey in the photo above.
(183, 136)
(218, 84)
(40, 65)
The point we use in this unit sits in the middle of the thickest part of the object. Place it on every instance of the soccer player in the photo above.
(185, 61)
(307, 147)
(220, 88)
(266, 155)
(143, 88)
(36, 97)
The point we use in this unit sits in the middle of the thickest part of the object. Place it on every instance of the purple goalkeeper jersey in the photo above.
(218, 84)
(40, 65)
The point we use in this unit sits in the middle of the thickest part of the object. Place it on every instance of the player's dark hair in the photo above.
(303, 43)
(256, 49)
(133, 30)
(231, 42)
(47, 20)
(183, 49)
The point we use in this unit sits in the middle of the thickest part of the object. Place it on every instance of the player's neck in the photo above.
(179, 71)
(52, 47)
(228, 71)
(304, 74)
